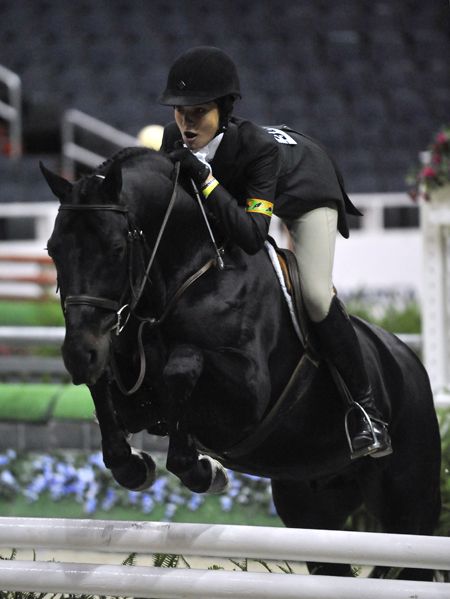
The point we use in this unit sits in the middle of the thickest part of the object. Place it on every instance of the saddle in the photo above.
(287, 262)
(289, 267)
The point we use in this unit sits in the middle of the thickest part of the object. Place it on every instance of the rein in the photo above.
(121, 308)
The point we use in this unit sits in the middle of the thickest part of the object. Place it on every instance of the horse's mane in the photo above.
(90, 182)
(122, 155)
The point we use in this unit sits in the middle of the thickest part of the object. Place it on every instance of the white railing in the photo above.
(11, 111)
(160, 583)
(264, 543)
(74, 153)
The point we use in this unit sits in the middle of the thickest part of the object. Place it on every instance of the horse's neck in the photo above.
(183, 242)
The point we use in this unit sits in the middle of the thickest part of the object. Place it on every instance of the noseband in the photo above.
(101, 302)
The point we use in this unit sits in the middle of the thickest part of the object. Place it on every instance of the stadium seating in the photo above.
(362, 76)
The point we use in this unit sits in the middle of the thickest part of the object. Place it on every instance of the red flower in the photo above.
(441, 138)
(436, 158)
(428, 172)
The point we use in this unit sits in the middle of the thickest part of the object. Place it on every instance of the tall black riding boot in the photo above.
(367, 432)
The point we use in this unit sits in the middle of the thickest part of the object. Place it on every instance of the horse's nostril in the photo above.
(92, 356)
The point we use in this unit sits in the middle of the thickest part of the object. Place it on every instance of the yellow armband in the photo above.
(259, 206)
(209, 187)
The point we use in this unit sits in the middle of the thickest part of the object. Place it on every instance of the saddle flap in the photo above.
(289, 267)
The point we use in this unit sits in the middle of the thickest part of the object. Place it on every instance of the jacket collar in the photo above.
(225, 157)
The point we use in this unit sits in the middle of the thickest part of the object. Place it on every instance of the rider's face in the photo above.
(198, 124)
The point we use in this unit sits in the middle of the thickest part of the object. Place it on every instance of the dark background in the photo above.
(370, 79)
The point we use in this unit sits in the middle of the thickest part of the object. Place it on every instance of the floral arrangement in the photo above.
(435, 172)
(84, 478)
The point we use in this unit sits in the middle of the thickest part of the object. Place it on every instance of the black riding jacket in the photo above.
(275, 164)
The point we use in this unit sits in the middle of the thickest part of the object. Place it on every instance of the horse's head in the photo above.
(89, 248)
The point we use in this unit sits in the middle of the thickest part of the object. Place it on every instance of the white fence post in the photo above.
(435, 223)
(12, 110)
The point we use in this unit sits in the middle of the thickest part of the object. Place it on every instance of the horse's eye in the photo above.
(118, 251)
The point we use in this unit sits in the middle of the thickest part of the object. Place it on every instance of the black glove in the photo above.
(190, 166)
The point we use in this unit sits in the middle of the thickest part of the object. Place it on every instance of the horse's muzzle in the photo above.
(85, 356)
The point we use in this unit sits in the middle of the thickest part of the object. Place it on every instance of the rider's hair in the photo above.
(225, 105)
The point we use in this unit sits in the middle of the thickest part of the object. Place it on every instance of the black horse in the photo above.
(213, 349)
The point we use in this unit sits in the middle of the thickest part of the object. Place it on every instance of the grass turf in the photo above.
(30, 313)
(209, 511)
(37, 402)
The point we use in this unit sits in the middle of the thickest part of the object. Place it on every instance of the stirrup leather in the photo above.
(374, 447)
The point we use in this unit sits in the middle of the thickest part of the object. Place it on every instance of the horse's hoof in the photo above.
(138, 473)
(220, 483)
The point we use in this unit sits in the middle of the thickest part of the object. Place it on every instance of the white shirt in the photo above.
(207, 153)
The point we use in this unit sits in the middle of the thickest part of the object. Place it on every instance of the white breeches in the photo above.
(314, 234)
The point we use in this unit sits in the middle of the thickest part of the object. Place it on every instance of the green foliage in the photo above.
(166, 560)
(406, 320)
(395, 312)
(31, 313)
(130, 560)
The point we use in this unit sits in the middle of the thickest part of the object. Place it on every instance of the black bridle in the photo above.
(122, 309)
(103, 303)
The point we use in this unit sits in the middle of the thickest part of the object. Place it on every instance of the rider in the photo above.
(245, 173)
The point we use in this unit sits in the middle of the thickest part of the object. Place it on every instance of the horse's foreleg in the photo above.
(200, 473)
(130, 468)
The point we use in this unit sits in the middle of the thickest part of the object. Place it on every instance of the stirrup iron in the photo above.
(373, 448)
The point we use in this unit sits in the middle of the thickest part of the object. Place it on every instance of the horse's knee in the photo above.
(184, 367)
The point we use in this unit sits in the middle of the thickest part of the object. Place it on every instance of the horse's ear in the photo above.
(112, 183)
(59, 186)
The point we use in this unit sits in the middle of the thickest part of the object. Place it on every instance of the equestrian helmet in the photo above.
(200, 75)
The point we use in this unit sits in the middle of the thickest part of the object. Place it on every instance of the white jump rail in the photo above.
(160, 583)
(216, 541)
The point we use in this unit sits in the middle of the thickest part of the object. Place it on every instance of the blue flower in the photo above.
(159, 488)
(8, 479)
(195, 501)
(170, 511)
(4, 460)
(109, 500)
(147, 503)
(90, 505)
(133, 497)
(226, 503)
(96, 459)
(176, 499)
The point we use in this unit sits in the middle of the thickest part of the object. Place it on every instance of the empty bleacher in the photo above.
(369, 78)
